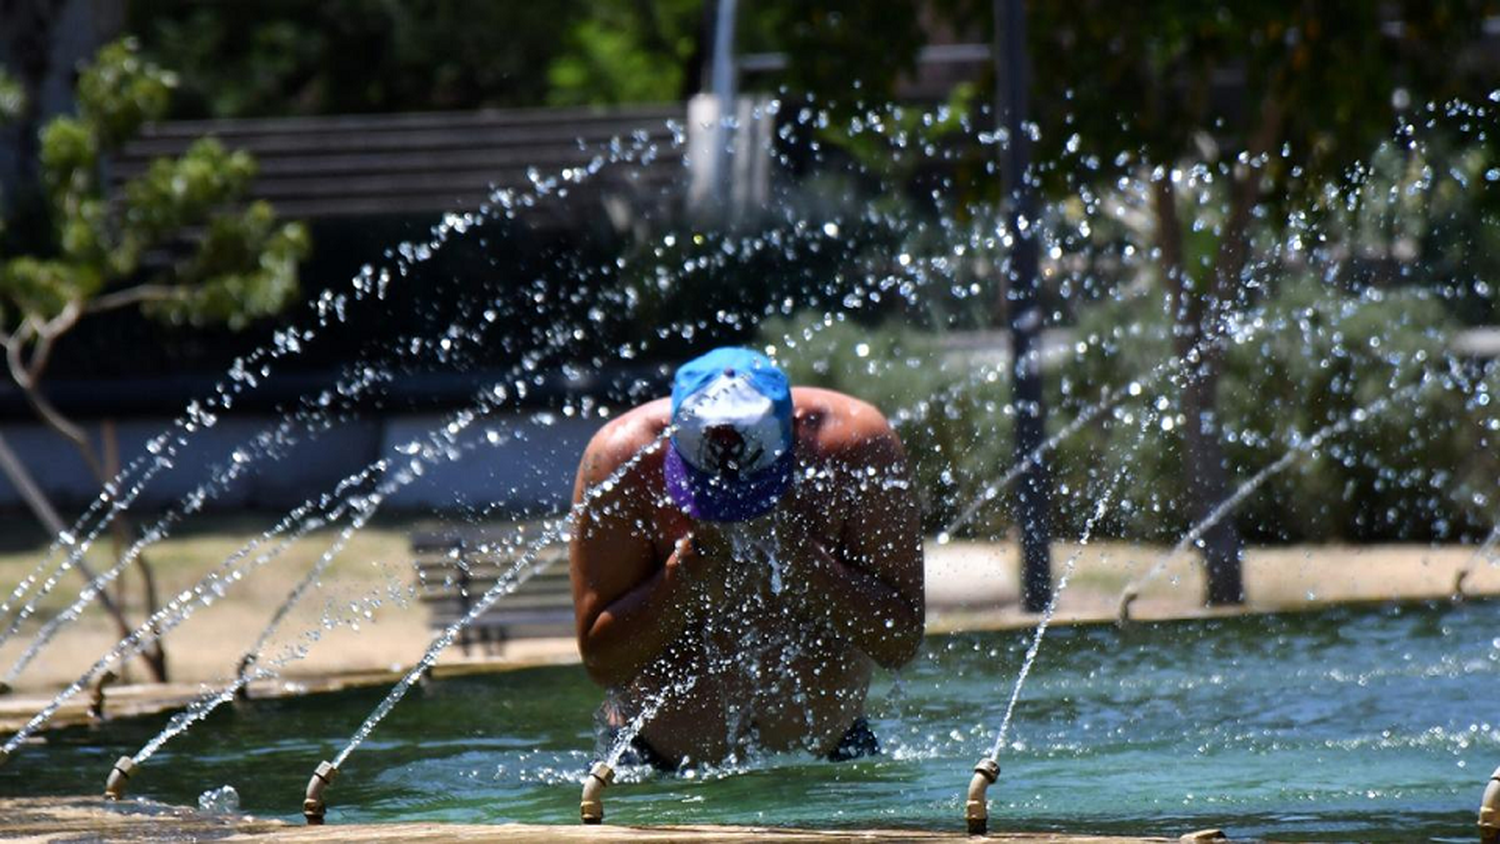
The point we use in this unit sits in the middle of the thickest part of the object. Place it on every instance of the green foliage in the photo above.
(280, 57)
(119, 92)
(1420, 465)
(625, 52)
(12, 98)
(1314, 358)
(42, 287)
(245, 269)
(953, 419)
(840, 51)
(242, 266)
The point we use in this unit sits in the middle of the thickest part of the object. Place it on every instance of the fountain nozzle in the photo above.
(1489, 811)
(313, 807)
(592, 806)
(114, 787)
(976, 810)
(1122, 613)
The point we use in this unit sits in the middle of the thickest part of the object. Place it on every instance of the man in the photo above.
(752, 550)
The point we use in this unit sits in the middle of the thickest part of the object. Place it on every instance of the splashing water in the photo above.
(269, 444)
(1100, 508)
(504, 585)
(247, 373)
(1307, 446)
(648, 711)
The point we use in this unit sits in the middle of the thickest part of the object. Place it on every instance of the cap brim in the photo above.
(713, 498)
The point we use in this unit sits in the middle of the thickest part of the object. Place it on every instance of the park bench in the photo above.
(429, 163)
(456, 567)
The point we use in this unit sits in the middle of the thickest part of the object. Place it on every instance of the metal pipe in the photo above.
(313, 807)
(114, 787)
(1122, 613)
(1489, 811)
(591, 808)
(976, 810)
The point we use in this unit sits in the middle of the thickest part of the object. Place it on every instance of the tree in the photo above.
(233, 261)
(1273, 99)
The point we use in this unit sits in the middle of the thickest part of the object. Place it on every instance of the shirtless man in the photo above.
(751, 552)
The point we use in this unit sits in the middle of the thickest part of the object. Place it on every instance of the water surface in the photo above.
(1350, 724)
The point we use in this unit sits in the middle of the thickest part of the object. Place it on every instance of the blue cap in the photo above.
(731, 456)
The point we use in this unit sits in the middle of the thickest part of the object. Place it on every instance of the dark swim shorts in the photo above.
(857, 742)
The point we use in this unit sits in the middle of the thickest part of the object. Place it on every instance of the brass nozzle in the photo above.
(976, 810)
(592, 806)
(1489, 811)
(1122, 613)
(313, 807)
(114, 787)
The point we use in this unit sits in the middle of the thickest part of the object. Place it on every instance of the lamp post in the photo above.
(1021, 303)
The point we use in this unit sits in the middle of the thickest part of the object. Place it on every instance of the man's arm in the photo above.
(628, 609)
(871, 591)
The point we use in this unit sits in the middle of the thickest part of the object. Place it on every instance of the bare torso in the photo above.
(763, 662)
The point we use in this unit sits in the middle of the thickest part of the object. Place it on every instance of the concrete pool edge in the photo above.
(64, 818)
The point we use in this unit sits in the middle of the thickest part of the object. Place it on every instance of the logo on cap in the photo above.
(731, 456)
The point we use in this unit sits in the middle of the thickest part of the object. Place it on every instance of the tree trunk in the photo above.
(36, 499)
(1198, 314)
(153, 654)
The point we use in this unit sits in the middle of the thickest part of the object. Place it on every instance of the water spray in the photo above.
(1314, 442)
(987, 769)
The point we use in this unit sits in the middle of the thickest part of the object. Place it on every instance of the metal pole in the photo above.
(1032, 496)
(723, 82)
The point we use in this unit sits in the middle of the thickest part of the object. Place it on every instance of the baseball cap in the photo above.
(731, 456)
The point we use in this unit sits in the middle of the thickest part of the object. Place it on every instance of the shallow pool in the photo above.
(1367, 724)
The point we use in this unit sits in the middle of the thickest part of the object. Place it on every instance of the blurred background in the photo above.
(232, 219)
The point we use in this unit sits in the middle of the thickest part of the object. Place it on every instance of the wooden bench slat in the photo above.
(453, 569)
(582, 141)
(518, 117)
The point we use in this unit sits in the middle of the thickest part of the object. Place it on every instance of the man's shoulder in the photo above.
(625, 435)
(840, 423)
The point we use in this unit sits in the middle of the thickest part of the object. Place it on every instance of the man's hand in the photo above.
(700, 559)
